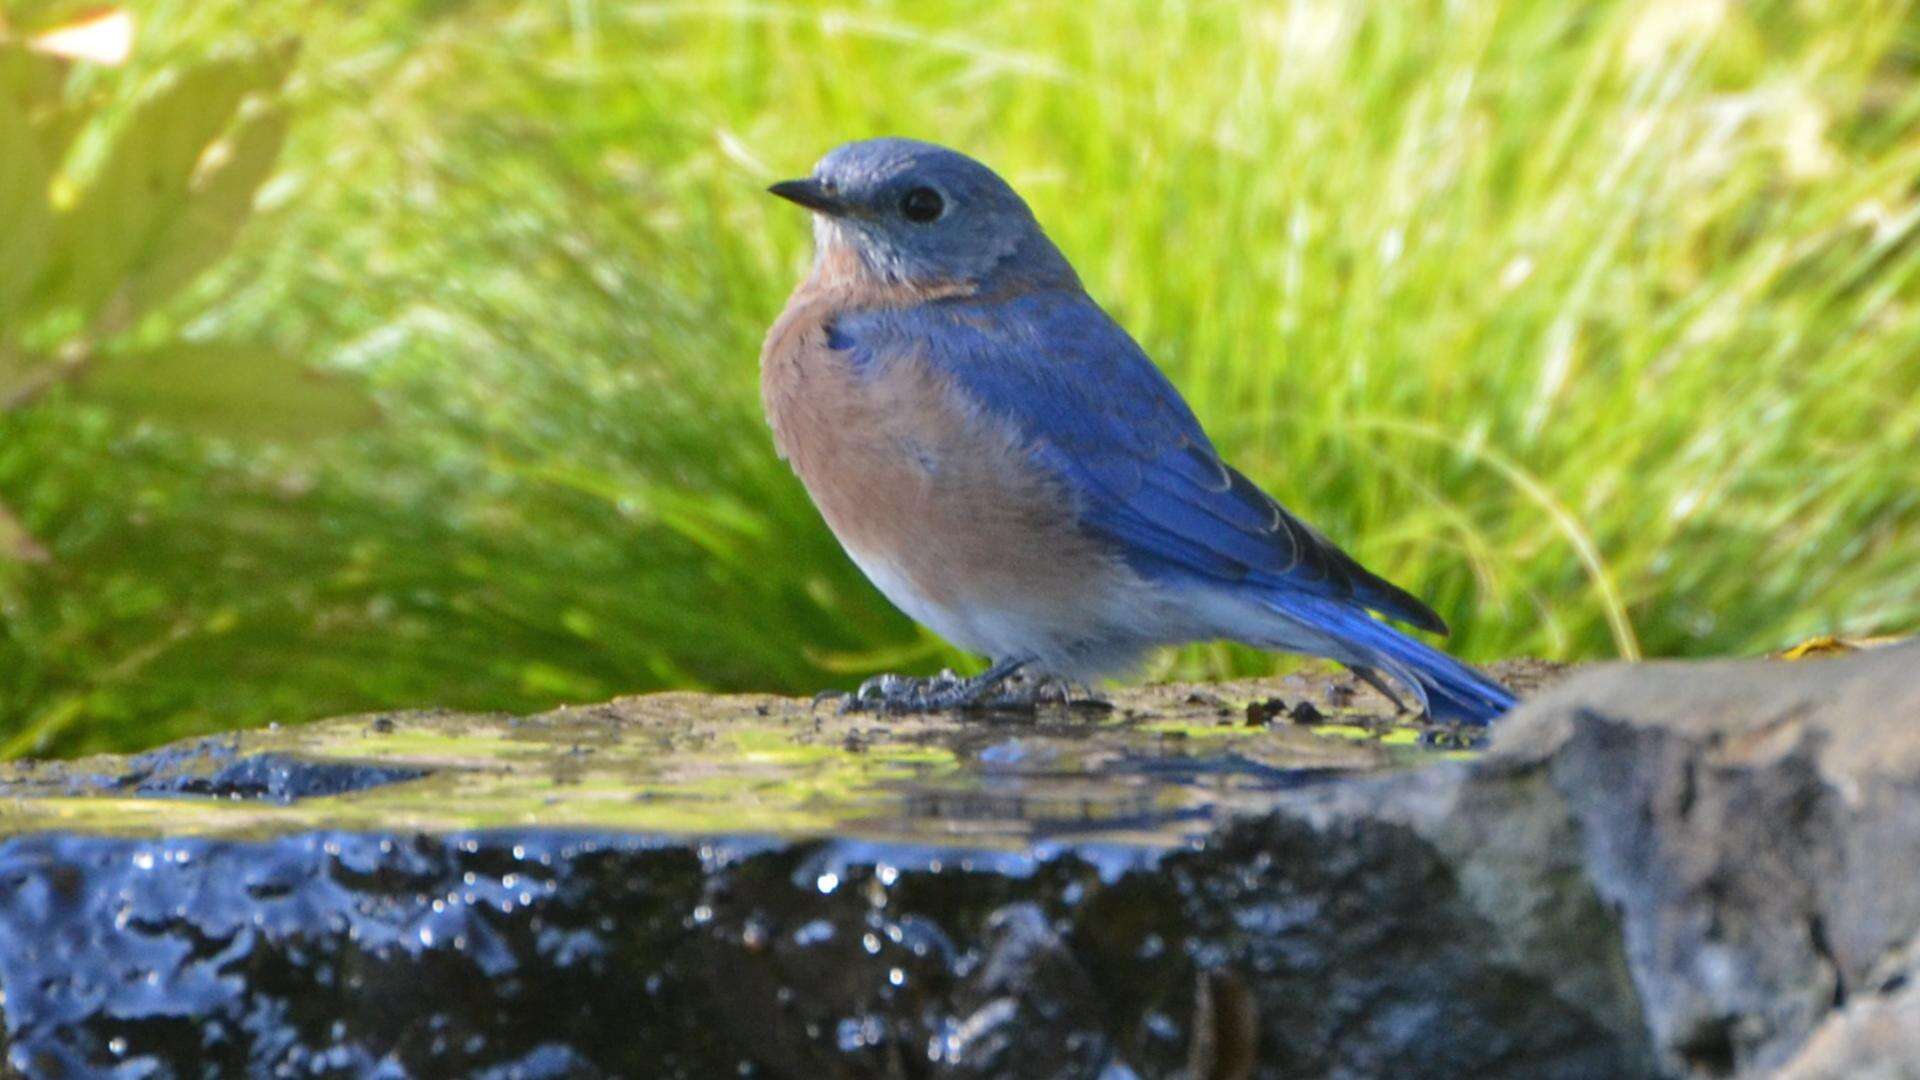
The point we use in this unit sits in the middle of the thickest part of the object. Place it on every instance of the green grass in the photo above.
(1598, 326)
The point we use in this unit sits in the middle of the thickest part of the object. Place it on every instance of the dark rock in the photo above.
(1875, 1037)
(1265, 711)
(276, 777)
(1685, 870)
(1739, 838)
(210, 767)
(457, 955)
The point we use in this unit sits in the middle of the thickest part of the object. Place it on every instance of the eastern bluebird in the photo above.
(1011, 470)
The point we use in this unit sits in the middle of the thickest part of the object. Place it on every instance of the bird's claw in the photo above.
(996, 689)
(1031, 693)
(906, 694)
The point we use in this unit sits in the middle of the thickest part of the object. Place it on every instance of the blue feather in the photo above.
(1447, 688)
(1110, 427)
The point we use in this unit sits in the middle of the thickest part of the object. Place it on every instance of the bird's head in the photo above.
(923, 216)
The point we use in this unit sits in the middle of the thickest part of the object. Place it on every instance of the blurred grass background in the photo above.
(1597, 325)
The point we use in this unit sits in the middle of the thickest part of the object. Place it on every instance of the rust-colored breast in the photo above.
(919, 487)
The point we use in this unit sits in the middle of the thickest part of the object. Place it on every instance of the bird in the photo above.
(1010, 469)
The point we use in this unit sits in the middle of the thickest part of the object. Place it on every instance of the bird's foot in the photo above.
(999, 688)
(903, 694)
(906, 694)
(945, 691)
(1029, 694)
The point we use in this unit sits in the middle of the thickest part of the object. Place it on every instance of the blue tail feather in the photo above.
(1447, 688)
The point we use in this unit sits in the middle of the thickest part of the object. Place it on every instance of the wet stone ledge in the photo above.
(1686, 870)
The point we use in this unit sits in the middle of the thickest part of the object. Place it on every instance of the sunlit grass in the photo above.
(1595, 325)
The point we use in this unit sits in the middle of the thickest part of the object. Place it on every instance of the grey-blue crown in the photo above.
(876, 162)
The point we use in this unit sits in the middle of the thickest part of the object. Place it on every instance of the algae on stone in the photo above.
(1163, 764)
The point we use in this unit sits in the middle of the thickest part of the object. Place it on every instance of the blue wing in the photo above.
(1103, 418)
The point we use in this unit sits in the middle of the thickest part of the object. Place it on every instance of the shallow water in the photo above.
(1161, 767)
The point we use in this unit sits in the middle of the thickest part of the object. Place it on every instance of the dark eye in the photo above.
(922, 204)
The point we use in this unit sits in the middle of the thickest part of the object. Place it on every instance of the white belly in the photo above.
(1081, 634)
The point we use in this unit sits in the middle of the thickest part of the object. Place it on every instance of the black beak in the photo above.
(811, 194)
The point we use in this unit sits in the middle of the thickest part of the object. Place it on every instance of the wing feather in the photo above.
(1098, 414)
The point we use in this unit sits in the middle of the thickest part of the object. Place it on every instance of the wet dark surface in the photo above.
(219, 771)
(218, 768)
(555, 954)
(1657, 870)
(693, 886)
(1162, 766)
